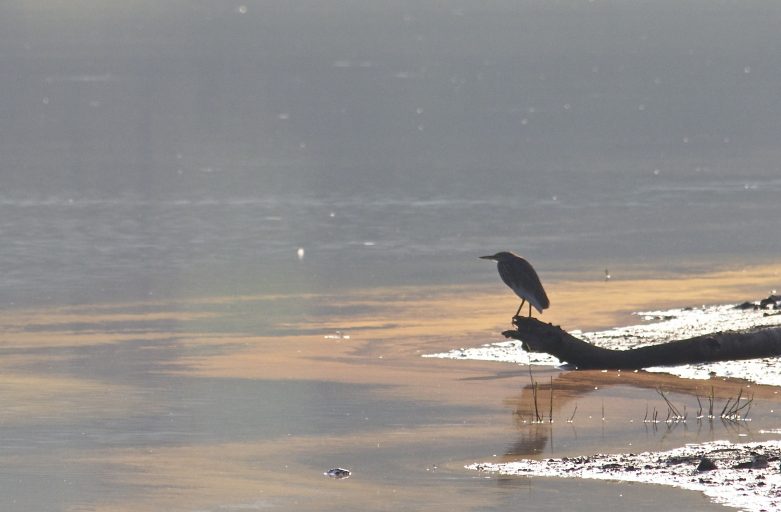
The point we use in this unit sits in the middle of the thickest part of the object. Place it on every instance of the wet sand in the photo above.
(242, 402)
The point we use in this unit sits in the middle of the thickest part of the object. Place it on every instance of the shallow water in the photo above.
(181, 406)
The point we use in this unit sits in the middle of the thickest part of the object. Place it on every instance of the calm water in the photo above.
(190, 149)
(66, 249)
(189, 146)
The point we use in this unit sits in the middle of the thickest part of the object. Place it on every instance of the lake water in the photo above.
(158, 155)
(150, 148)
(63, 248)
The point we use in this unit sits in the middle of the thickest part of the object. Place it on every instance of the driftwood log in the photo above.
(538, 336)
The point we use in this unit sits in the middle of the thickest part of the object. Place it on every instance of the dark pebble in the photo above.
(706, 465)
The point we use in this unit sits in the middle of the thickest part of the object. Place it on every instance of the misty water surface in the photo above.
(189, 149)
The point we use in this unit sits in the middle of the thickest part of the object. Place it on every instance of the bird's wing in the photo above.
(519, 275)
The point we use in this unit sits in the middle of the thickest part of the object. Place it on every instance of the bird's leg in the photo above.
(530, 310)
(519, 308)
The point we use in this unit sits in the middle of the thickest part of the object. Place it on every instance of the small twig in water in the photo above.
(537, 417)
(735, 405)
(550, 411)
(734, 412)
(573, 414)
(735, 409)
(729, 400)
(671, 409)
(748, 406)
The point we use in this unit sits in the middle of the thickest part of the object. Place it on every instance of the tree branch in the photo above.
(537, 336)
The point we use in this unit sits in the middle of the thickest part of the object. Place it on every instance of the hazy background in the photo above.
(189, 149)
(192, 147)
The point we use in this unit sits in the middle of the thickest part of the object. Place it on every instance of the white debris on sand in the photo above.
(338, 473)
(685, 323)
(505, 351)
(746, 476)
(658, 327)
(338, 335)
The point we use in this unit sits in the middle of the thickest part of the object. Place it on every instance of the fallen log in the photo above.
(537, 336)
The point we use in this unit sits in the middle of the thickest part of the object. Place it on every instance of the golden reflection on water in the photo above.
(252, 338)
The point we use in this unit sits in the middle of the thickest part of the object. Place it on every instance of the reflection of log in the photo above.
(537, 336)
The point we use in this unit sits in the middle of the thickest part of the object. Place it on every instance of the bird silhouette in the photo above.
(518, 274)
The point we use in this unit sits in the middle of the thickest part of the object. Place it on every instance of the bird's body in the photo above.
(518, 274)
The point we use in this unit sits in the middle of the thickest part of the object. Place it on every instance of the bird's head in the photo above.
(500, 256)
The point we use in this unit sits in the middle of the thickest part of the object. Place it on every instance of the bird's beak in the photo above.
(486, 257)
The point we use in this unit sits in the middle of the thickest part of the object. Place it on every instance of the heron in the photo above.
(518, 274)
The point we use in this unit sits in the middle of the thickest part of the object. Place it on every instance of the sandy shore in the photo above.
(409, 427)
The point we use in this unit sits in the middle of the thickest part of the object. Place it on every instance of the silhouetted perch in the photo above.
(537, 336)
